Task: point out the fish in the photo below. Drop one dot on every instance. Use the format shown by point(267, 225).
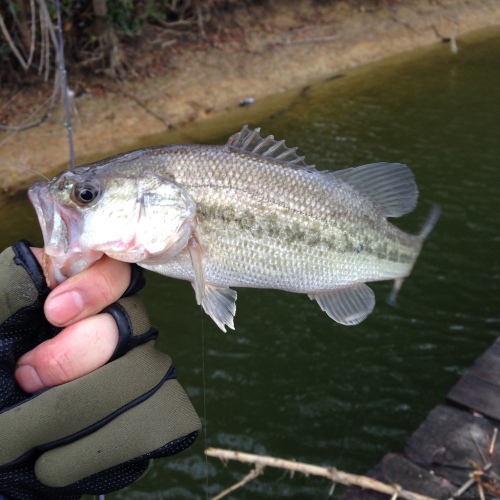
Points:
point(250, 213)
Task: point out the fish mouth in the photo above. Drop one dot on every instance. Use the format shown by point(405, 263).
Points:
point(60, 230)
point(43, 202)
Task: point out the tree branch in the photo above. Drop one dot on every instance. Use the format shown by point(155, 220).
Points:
point(12, 45)
point(251, 475)
point(331, 473)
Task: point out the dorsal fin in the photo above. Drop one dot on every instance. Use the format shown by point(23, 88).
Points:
point(250, 141)
point(391, 186)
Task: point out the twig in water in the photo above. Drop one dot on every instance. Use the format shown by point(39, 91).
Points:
point(452, 39)
point(468, 484)
point(491, 449)
point(481, 492)
point(479, 474)
point(478, 448)
point(331, 473)
point(251, 475)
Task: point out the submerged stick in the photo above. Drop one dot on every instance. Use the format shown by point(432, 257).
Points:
point(251, 475)
point(331, 473)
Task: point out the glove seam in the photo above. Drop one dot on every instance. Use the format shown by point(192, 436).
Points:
point(171, 374)
point(150, 455)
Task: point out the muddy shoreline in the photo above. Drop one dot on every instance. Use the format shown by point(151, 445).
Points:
point(287, 49)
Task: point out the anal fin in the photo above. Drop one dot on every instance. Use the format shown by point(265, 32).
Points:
point(347, 306)
point(220, 304)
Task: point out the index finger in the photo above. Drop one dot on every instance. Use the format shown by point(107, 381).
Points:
point(88, 292)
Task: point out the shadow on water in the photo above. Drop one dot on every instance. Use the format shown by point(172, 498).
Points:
point(289, 382)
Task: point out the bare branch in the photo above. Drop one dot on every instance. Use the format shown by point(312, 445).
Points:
point(251, 475)
point(12, 44)
point(48, 31)
point(50, 25)
point(331, 473)
point(25, 124)
point(33, 32)
point(491, 448)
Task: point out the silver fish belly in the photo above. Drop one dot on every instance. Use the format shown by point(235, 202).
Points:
point(254, 214)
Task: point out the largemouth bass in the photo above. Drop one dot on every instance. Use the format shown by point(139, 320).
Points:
point(250, 213)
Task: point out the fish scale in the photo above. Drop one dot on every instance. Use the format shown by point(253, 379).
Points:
point(286, 205)
point(251, 213)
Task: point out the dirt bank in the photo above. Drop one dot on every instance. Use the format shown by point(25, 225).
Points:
point(287, 46)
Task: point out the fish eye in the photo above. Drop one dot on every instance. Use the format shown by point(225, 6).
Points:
point(85, 193)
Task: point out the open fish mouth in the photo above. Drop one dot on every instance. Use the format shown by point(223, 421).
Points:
point(48, 218)
point(59, 227)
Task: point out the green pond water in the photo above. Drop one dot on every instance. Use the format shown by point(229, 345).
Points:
point(290, 382)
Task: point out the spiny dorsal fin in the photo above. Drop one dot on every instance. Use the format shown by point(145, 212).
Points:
point(391, 186)
point(250, 141)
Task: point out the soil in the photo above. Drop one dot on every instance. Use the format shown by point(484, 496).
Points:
point(261, 50)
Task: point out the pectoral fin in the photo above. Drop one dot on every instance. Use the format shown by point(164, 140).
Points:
point(219, 304)
point(347, 306)
point(196, 255)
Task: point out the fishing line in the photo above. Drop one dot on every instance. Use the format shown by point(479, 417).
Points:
point(19, 165)
point(204, 385)
point(64, 83)
point(62, 70)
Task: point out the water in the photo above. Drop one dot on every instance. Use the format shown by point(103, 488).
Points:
point(291, 383)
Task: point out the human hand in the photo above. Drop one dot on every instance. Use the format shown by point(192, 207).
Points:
point(98, 433)
point(88, 338)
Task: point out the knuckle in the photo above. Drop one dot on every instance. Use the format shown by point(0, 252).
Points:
point(56, 366)
point(106, 289)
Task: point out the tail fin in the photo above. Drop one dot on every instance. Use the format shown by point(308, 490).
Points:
point(428, 226)
point(431, 221)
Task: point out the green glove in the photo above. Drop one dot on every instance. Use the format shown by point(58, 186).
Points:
point(98, 433)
